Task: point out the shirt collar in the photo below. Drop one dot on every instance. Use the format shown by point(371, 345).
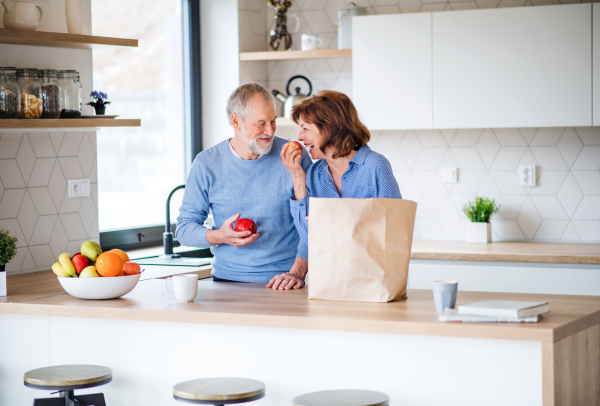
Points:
point(361, 155)
point(358, 158)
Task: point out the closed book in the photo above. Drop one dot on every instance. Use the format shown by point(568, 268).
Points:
point(504, 308)
point(452, 316)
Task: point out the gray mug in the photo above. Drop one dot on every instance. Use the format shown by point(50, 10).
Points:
point(444, 295)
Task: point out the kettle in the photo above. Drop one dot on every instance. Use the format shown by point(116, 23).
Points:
point(292, 99)
point(22, 15)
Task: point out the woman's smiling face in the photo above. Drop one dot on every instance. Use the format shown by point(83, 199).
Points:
point(311, 138)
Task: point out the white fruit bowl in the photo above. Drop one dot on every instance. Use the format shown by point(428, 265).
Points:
point(99, 288)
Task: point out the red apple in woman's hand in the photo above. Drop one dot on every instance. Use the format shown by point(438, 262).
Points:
point(245, 225)
point(296, 143)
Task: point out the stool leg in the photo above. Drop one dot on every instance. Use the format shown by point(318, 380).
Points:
point(68, 398)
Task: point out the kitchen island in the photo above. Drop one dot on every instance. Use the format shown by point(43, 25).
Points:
point(297, 345)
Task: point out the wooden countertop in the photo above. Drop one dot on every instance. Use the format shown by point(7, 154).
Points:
point(553, 253)
point(253, 305)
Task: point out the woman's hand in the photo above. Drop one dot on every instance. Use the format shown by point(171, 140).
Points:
point(291, 155)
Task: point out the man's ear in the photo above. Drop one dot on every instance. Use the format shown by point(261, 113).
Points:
point(235, 120)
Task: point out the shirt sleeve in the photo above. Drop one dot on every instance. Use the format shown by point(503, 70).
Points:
point(194, 210)
point(387, 186)
point(299, 208)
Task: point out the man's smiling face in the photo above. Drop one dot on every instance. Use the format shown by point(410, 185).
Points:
point(258, 128)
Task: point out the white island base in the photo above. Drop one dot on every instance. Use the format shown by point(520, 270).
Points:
point(148, 358)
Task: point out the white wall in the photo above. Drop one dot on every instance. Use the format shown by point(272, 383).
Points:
point(220, 66)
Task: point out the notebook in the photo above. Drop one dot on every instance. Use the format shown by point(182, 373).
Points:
point(504, 308)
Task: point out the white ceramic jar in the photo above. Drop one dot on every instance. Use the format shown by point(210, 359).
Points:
point(22, 15)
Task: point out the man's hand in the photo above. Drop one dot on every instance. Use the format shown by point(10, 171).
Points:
point(294, 279)
point(226, 235)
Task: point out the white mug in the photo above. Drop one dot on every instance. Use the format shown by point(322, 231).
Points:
point(311, 42)
point(185, 286)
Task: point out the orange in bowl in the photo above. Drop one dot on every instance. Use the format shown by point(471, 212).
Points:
point(122, 254)
point(109, 264)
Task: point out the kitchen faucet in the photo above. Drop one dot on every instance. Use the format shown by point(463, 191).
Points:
point(168, 235)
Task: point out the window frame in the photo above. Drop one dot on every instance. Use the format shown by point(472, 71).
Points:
point(151, 236)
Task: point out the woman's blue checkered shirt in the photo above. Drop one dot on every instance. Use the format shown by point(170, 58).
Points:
point(369, 175)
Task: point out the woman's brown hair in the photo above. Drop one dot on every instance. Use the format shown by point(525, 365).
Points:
point(335, 116)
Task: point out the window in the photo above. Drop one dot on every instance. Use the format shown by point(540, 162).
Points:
point(139, 166)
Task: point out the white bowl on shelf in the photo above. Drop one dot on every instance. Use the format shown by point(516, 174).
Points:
point(99, 288)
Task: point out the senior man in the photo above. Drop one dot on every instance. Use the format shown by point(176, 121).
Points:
point(244, 176)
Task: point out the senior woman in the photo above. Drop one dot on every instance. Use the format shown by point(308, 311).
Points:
point(346, 168)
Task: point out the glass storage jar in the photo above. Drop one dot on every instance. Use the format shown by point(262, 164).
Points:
point(70, 94)
point(10, 106)
point(78, 80)
point(31, 98)
point(50, 93)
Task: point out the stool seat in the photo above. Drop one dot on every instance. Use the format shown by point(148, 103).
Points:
point(67, 377)
point(349, 397)
point(219, 390)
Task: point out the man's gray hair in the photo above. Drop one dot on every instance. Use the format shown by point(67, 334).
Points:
point(239, 101)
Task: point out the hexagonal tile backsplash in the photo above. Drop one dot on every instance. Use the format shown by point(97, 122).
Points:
point(34, 206)
point(565, 204)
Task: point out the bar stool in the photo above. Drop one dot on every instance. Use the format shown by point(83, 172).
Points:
point(219, 391)
point(346, 397)
point(67, 378)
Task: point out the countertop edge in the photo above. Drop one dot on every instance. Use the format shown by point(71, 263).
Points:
point(502, 257)
point(520, 332)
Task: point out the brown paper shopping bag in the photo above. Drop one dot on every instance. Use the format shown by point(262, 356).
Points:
point(359, 249)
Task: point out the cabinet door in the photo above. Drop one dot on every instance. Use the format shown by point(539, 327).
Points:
point(391, 70)
point(515, 67)
point(596, 64)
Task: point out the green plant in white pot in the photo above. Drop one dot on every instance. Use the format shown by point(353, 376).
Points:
point(8, 250)
point(479, 212)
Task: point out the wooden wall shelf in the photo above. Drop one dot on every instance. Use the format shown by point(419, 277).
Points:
point(282, 56)
point(68, 123)
point(61, 40)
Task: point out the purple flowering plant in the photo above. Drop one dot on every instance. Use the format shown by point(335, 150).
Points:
point(99, 99)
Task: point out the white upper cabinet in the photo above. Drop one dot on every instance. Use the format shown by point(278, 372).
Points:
point(391, 69)
point(596, 63)
point(514, 67)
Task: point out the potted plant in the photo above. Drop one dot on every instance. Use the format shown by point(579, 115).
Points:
point(479, 212)
point(8, 250)
point(99, 102)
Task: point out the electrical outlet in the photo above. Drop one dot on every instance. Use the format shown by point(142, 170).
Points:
point(526, 175)
point(79, 188)
point(449, 175)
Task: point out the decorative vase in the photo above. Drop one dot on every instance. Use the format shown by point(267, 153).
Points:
point(100, 110)
point(480, 233)
point(74, 13)
point(279, 34)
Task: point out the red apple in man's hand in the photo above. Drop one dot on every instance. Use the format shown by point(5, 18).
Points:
point(245, 225)
point(296, 143)
point(80, 262)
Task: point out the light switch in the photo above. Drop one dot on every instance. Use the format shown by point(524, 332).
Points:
point(449, 175)
point(79, 188)
point(526, 175)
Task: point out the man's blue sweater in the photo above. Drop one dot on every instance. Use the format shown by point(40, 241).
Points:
point(260, 190)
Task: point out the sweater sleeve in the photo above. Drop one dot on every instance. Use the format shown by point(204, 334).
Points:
point(194, 210)
point(387, 186)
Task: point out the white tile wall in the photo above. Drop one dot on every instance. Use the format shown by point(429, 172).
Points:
point(564, 205)
point(34, 207)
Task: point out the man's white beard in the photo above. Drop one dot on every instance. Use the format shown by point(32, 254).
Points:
point(253, 144)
